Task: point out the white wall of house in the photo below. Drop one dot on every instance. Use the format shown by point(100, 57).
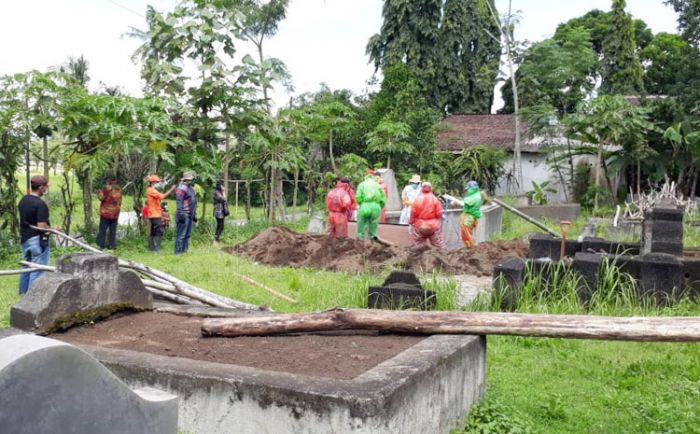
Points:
point(535, 168)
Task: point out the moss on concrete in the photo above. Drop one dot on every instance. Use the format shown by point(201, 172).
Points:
point(87, 316)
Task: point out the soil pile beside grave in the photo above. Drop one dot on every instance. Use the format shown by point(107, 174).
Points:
point(343, 357)
point(283, 247)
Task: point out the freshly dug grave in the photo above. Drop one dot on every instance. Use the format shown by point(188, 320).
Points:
point(342, 357)
point(283, 247)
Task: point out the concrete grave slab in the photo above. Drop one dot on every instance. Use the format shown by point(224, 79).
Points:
point(426, 388)
point(86, 286)
point(49, 386)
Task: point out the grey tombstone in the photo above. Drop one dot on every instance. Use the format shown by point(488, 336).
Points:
point(662, 231)
point(661, 275)
point(86, 286)
point(50, 386)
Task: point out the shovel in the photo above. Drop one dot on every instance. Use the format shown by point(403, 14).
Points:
point(564, 225)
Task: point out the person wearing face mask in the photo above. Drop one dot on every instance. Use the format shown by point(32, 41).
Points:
point(426, 219)
point(185, 214)
point(33, 211)
point(153, 211)
point(339, 204)
point(471, 213)
point(220, 210)
point(408, 196)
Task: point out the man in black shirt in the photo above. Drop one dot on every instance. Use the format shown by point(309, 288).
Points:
point(35, 243)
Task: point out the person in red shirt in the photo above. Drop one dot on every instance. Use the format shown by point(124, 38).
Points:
point(339, 203)
point(154, 212)
point(110, 206)
point(426, 219)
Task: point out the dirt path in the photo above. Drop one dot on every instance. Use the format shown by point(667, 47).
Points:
point(283, 247)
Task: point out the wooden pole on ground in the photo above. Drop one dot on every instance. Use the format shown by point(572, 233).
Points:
point(277, 294)
point(20, 271)
point(179, 286)
point(671, 329)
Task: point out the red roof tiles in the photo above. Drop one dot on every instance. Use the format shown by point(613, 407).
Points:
point(457, 132)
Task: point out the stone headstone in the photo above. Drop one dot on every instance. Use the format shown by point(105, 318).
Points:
point(508, 278)
point(49, 386)
point(393, 201)
point(316, 225)
point(661, 275)
point(400, 290)
point(662, 231)
point(86, 286)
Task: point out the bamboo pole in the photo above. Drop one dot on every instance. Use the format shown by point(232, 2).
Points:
point(180, 286)
point(670, 329)
point(511, 209)
point(179, 299)
point(277, 294)
point(20, 271)
point(38, 267)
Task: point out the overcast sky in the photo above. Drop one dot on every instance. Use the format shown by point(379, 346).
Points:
point(321, 41)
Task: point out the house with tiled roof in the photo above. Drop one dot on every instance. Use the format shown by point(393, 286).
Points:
point(458, 132)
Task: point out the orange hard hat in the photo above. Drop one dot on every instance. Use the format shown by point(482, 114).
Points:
point(153, 178)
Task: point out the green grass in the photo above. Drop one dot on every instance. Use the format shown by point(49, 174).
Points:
point(534, 385)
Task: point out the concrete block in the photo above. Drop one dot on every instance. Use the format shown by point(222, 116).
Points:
point(661, 275)
point(547, 246)
point(691, 274)
point(541, 246)
point(587, 265)
point(401, 290)
point(88, 286)
point(49, 387)
point(599, 245)
point(667, 214)
point(405, 277)
point(427, 388)
point(508, 278)
point(662, 231)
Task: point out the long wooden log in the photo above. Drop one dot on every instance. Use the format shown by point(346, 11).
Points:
point(672, 329)
point(180, 286)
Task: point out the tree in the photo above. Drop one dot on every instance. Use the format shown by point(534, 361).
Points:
point(400, 100)
point(506, 27)
point(409, 35)
point(469, 57)
point(610, 122)
point(622, 72)
point(688, 19)
point(663, 60)
point(598, 24)
point(390, 138)
point(12, 142)
point(559, 72)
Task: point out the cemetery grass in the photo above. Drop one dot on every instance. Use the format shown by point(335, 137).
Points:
point(537, 385)
point(534, 385)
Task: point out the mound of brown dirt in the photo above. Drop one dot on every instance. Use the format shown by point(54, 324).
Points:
point(283, 247)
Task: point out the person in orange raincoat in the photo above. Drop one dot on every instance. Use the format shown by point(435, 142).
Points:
point(380, 181)
point(426, 219)
point(339, 203)
point(154, 212)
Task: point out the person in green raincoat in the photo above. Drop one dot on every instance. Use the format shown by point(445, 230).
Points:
point(371, 199)
point(471, 214)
